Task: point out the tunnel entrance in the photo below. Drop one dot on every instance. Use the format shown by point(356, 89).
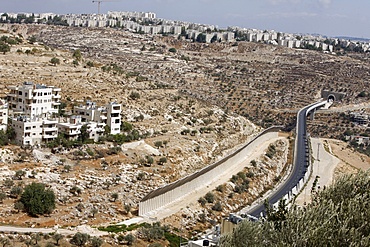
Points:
point(331, 98)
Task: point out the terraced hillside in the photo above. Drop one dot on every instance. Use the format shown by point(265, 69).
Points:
point(262, 82)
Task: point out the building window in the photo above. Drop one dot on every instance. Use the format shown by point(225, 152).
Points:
point(20, 92)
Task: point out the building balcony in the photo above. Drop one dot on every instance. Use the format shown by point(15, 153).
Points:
point(50, 121)
point(74, 133)
point(12, 95)
point(58, 96)
point(99, 130)
point(50, 136)
point(50, 129)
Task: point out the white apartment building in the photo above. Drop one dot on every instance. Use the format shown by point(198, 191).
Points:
point(109, 115)
point(290, 43)
point(33, 100)
point(155, 29)
point(29, 133)
point(167, 29)
point(148, 15)
point(177, 29)
point(3, 115)
point(72, 129)
point(145, 29)
point(114, 117)
point(32, 106)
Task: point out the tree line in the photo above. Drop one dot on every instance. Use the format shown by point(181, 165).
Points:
point(337, 216)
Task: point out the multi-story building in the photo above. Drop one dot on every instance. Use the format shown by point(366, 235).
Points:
point(109, 115)
point(3, 115)
point(32, 107)
point(30, 132)
point(72, 129)
point(114, 117)
point(34, 100)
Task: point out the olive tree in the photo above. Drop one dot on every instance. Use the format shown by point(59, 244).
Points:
point(38, 200)
point(337, 216)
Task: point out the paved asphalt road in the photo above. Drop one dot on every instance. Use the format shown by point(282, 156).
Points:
point(299, 168)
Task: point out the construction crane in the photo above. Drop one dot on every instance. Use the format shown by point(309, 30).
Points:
point(99, 2)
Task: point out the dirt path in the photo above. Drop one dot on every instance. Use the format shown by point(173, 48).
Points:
point(82, 229)
point(323, 168)
point(333, 158)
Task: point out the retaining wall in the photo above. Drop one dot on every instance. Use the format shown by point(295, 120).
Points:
point(176, 190)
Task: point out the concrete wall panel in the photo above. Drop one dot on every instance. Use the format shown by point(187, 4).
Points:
point(175, 191)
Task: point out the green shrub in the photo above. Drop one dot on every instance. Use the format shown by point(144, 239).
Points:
point(173, 50)
point(210, 197)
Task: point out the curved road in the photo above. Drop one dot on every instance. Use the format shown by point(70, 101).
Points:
point(301, 161)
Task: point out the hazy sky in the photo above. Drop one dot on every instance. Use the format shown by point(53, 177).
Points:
point(327, 17)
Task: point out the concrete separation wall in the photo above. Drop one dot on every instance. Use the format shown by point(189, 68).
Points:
point(180, 188)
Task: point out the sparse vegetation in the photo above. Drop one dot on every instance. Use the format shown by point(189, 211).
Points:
point(210, 197)
point(134, 95)
point(55, 61)
point(167, 100)
point(80, 239)
point(173, 50)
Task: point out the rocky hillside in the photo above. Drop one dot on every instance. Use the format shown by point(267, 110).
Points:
point(188, 104)
point(175, 134)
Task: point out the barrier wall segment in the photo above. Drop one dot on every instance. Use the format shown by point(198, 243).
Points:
point(180, 188)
